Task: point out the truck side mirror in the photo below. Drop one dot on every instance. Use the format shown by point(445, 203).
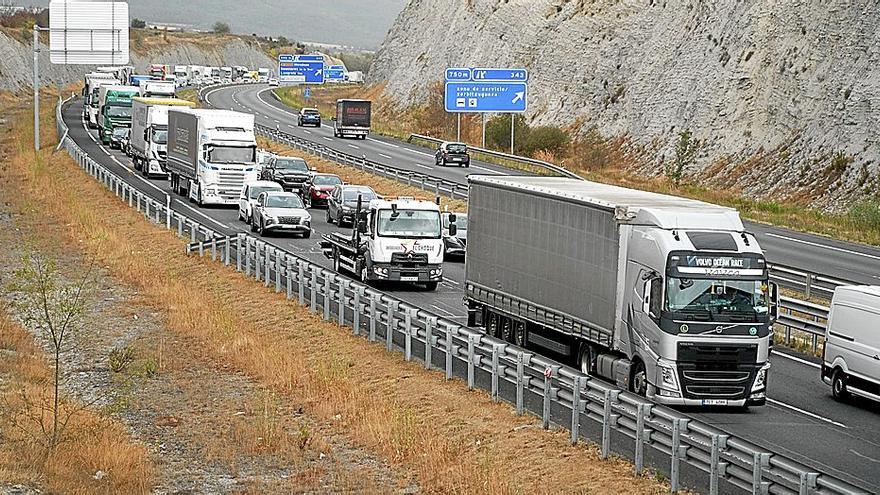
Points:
point(653, 293)
point(362, 226)
point(646, 297)
point(774, 300)
point(452, 218)
point(452, 230)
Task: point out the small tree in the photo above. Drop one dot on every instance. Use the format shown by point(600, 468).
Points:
point(685, 154)
point(57, 309)
point(498, 133)
point(548, 139)
point(221, 28)
point(138, 23)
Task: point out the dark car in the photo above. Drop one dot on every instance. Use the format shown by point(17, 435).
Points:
point(455, 245)
point(290, 172)
point(342, 203)
point(452, 154)
point(309, 116)
point(317, 190)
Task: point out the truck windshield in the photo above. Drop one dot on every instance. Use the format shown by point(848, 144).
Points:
point(717, 297)
point(160, 136)
point(232, 154)
point(118, 111)
point(409, 223)
point(294, 164)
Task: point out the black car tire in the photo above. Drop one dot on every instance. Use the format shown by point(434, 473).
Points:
point(838, 386)
point(307, 234)
point(431, 286)
point(253, 226)
point(329, 218)
point(339, 218)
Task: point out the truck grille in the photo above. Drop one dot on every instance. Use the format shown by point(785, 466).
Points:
point(711, 371)
point(409, 260)
point(289, 220)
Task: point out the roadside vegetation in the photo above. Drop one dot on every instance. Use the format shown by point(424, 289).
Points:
point(445, 438)
point(593, 157)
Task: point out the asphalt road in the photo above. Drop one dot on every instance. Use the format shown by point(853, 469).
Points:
point(801, 420)
point(808, 252)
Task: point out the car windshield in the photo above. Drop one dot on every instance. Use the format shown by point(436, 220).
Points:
point(326, 180)
point(460, 221)
point(160, 137)
point(717, 297)
point(118, 111)
point(456, 148)
point(409, 223)
point(295, 164)
point(352, 195)
point(231, 154)
point(284, 202)
point(256, 190)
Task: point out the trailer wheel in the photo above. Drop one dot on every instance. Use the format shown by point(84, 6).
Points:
point(336, 260)
point(586, 363)
point(431, 286)
point(492, 325)
point(506, 329)
point(639, 382)
point(520, 336)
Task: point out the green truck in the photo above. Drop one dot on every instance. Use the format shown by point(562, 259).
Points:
point(114, 109)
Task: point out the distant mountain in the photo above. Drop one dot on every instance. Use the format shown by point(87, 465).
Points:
point(359, 23)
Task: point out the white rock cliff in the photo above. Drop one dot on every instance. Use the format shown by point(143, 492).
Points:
point(783, 95)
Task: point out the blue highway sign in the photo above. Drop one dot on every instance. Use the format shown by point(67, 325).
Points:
point(299, 71)
point(285, 58)
point(310, 58)
point(307, 93)
point(501, 97)
point(335, 73)
point(500, 75)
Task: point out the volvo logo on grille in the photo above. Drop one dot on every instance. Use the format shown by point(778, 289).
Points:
point(719, 329)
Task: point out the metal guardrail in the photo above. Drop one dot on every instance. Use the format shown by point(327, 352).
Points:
point(553, 169)
point(691, 452)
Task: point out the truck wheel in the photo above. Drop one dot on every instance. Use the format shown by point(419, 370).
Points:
point(492, 325)
point(262, 228)
point(336, 261)
point(307, 234)
point(506, 329)
point(253, 225)
point(586, 363)
point(339, 218)
point(431, 286)
point(364, 277)
point(520, 336)
point(639, 382)
point(838, 386)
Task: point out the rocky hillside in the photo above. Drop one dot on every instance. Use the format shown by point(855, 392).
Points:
point(16, 58)
point(783, 97)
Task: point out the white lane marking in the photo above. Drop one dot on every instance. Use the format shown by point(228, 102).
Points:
point(104, 150)
point(419, 152)
point(486, 169)
point(305, 130)
point(797, 359)
point(438, 308)
point(197, 212)
point(449, 280)
point(383, 155)
point(328, 139)
point(145, 181)
point(816, 244)
point(383, 142)
point(863, 456)
point(806, 413)
point(354, 146)
point(423, 166)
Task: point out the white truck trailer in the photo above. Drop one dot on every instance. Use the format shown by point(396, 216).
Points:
point(667, 297)
point(157, 89)
point(149, 133)
point(211, 154)
point(91, 84)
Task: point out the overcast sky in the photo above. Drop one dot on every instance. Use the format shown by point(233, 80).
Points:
point(361, 23)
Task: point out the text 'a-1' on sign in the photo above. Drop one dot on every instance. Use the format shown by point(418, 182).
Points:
point(88, 32)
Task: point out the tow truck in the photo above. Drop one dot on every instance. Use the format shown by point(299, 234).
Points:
point(393, 239)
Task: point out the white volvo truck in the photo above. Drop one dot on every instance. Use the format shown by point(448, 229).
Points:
point(668, 297)
point(211, 154)
point(149, 133)
point(396, 240)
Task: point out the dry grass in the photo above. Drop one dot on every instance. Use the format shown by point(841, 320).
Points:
point(92, 442)
point(383, 186)
point(452, 440)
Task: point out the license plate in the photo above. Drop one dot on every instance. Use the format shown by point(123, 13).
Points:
point(714, 402)
point(409, 279)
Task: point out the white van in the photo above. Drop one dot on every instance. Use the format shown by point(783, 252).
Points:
point(851, 361)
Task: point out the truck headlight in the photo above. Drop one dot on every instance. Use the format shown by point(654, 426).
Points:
point(271, 220)
point(761, 378)
point(667, 376)
point(436, 272)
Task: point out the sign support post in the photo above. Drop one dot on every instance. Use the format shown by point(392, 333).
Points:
point(512, 118)
point(483, 140)
point(36, 88)
point(458, 127)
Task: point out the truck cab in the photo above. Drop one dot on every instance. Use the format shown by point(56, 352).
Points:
point(395, 240)
point(114, 109)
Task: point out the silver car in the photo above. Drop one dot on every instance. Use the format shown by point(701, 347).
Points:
point(247, 199)
point(279, 211)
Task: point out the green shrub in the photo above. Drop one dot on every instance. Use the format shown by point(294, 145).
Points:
point(545, 138)
point(865, 214)
point(120, 358)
